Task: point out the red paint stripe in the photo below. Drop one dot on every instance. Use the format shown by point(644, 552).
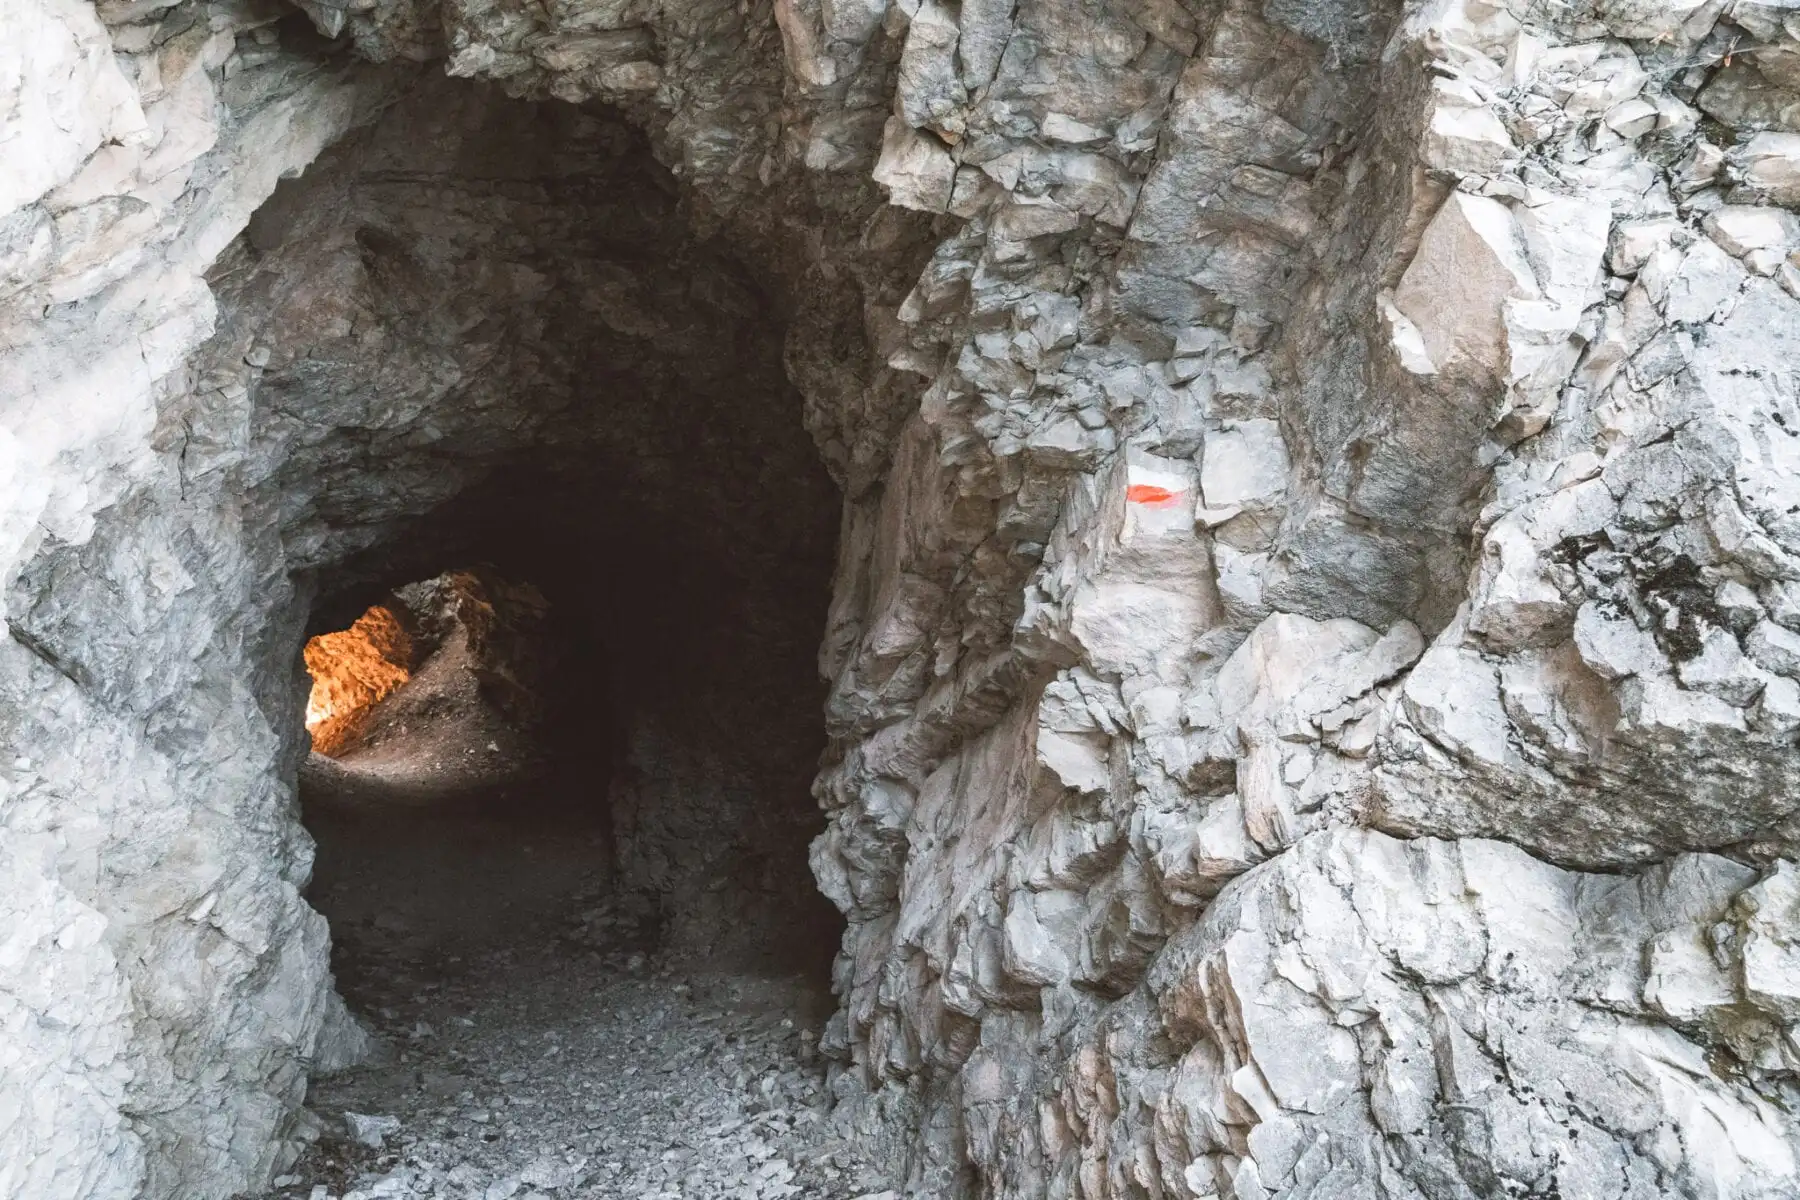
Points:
point(1149, 493)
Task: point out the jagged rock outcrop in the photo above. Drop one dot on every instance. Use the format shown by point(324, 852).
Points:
point(1314, 659)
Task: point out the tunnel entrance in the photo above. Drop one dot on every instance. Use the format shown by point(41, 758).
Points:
point(564, 545)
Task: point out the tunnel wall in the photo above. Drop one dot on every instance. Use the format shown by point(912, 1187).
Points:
point(1312, 704)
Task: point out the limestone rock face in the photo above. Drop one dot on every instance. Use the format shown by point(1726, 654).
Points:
point(1313, 661)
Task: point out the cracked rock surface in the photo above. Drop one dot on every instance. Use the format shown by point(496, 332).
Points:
point(1311, 674)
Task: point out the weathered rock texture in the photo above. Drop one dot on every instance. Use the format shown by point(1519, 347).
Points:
point(1315, 650)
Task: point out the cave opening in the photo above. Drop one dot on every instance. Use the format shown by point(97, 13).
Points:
point(563, 547)
point(489, 340)
point(539, 689)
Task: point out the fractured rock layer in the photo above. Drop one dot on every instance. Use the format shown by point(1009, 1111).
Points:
point(1314, 659)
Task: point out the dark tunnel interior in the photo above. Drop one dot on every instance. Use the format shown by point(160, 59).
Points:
point(492, 342)
point(666, 765)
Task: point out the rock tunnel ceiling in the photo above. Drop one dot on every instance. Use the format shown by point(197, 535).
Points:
point(1312, 657)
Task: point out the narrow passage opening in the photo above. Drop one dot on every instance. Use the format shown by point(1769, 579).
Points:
point(569, 546)
point(444, 827)
point(547, 1017)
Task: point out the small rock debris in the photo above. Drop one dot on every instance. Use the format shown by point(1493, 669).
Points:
point(576, 1065)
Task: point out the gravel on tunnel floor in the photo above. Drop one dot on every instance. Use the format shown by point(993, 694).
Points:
point(575, 1065)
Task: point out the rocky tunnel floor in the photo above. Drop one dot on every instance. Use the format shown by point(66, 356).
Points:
point(533, 1043)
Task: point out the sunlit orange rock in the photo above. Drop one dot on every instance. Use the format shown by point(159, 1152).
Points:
point(352, 670)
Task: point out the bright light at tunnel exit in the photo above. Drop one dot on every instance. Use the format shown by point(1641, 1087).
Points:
point(352, 670)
